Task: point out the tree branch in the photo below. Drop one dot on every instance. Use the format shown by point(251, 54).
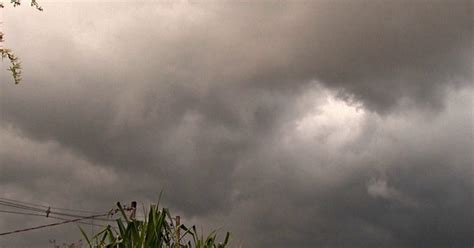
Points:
point(15, 67)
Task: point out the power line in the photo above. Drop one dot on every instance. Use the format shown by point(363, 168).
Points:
point(46, 211)
point(19, 205)
point(44, 206)
point(22, 202)
point(76, 210)
point(42, 215)
point(20, 213)
point(52, 224)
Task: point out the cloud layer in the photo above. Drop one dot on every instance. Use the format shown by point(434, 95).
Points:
point(293, 125)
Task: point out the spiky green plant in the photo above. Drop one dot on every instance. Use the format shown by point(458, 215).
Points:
point(157, 230)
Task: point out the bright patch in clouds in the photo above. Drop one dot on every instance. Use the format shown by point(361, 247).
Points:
point(332, 121)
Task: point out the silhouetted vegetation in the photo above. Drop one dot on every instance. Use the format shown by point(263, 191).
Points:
point(157, 230)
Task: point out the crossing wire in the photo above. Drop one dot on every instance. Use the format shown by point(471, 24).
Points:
point(44, 206)
point(42, 215)
point(35, 209)
point(52, 224)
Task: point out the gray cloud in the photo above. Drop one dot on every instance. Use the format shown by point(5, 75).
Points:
point(236, 111)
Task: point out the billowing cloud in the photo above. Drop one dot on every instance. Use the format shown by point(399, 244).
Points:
point(291, 124)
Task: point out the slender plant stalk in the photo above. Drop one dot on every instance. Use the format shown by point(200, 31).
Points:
point(15, 65)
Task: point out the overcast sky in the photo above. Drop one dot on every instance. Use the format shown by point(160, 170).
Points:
point(290, 124)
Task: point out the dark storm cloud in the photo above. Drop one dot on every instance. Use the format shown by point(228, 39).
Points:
point(205, 101)
point(402, 184)
point(376, 52)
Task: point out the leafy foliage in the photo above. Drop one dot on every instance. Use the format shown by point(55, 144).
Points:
point(157, 230)
point(16, 3)
point(15, 67)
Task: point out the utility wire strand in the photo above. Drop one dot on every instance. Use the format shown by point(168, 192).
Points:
point(21, 202)
point(52, 224)
point(21, 213)
point(14, 205)
point(44, 206)
point(34, 209)
point(50, 217)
